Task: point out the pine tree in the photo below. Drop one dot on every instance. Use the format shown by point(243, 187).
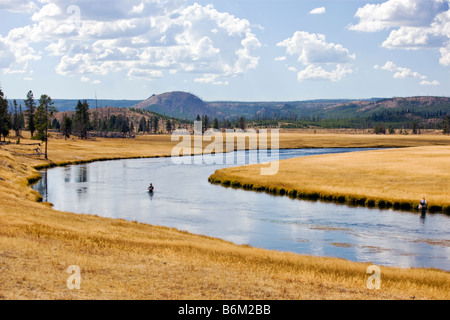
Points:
point(155, 124)
point(66, 126)
point(16, 119)
point(82, 118)
point(30, 110)
point(5, 117)
point(168, 126)
point(142, 125)
point(241, 123)
point(43, 113)
point(215, 123)
point(446, 129)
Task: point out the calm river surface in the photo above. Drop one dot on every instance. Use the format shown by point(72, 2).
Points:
point(184, 199)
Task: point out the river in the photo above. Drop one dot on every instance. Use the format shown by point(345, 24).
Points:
point(184, 199)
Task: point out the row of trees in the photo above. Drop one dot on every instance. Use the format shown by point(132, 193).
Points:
point(84, 121)
point(37, 117)
point(240, 123)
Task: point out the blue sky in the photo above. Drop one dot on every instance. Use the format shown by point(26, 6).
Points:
point(247, 50)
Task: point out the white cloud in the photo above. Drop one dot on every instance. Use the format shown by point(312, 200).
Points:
point(140, 38)
point(429, 83)
point(23, 6)
point(445, 55)
point(400, 72)
point(314, 72)
point(313, 48)
point(320, 10)
point(15, 56)
point(398, 13)
point(313, 51)
point(282, 58)
point(416, 24)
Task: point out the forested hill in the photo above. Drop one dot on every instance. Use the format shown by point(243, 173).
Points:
point(183, 105)
point(188, 106)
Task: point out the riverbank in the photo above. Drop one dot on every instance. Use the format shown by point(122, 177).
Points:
point(127, 260)
point(392, 178)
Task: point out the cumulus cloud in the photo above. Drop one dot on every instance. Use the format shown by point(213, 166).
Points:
point(313, 51)
point(141, 38)
point(319, 10)
point(400, 72)
point(398, 13)
point(405, 73)
point(416, 24)
point(429, 83)
point(23, 6)
point(314, 72)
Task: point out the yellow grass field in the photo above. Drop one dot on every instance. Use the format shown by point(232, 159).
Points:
point(128, 260)
point(397, 178)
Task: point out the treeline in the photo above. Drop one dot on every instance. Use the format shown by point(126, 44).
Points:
point(390, 125)
point(35, 117)
point(117, 124)
point(239, 123)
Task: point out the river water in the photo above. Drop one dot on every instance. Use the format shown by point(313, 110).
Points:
point(184, 199)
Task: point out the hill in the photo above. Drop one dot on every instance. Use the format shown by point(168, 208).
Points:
point(394, 110)
point(177, 104)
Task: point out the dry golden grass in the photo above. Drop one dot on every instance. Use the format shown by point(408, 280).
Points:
point(127, 260)
point(396, 178)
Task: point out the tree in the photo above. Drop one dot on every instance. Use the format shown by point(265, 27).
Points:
point(379, 129)
point(215, 124)
point(414, 127)
point(16, 123)
point(30, 110)
point(82, 118)
point(168, 126)
point(155, 124)
point(125, 128)
point(446, 129)
point(241, 123)
point(66, 126)
point(205, 123)
point(44, 111)
point(142, 125)
point(5, 117)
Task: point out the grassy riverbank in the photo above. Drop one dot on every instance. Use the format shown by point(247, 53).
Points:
point(396, 178)
point(127, 260)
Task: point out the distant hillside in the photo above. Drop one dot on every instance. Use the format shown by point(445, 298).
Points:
point(70, 104)
point(177, 104)
point(184, 105)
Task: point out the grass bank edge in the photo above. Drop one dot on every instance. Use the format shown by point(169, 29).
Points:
point(347, 199)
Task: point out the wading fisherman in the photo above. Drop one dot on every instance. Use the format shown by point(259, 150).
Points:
point(150, 188)
point(423, 205)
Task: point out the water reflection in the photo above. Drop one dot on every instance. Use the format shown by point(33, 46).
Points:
point(186, 201)
point(82, 174)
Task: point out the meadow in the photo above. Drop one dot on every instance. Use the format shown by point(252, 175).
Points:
point(122, 259)
point(390, 178)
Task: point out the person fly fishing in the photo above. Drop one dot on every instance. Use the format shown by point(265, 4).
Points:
point(423, 205)
point(151, 188)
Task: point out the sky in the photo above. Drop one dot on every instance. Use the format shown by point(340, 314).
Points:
point(246, 50)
